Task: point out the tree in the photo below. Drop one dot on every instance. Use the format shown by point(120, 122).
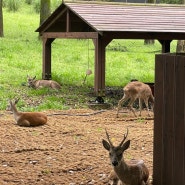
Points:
point(150, 41)
point(1, 19)
point(181, 43)
point(45, 10)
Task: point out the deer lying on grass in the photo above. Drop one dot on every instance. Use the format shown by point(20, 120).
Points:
point(133, 173)
point(136, 90)
point(32, 82)
point(26, 119)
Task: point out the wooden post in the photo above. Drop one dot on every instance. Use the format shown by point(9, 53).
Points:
point(46, 61)
point(169, 120)
point(165, 45)
point(99, 82)
point(100, 52)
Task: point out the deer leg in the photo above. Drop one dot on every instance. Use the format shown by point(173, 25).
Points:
point(24, 123)
point(140, 106)
point(146, 103)
point(124, 99)
point(130, 105)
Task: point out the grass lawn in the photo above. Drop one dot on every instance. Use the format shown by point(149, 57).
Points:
point(21, 55)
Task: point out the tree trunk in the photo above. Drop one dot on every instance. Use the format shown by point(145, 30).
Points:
point(150, 41)
point(44, 10)
point(1, 19)
point(180, 46)
point(181, 43)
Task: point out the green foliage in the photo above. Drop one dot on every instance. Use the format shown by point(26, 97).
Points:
point(13, 5)
point(55, 4)
point(29, 1)
point(172, 1)
point(36, 6)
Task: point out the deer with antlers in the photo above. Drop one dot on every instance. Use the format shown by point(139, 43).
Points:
point(132, 173)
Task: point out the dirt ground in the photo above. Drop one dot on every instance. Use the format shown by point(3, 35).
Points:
point(68, 149)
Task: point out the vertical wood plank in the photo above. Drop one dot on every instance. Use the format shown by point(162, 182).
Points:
point(179, 150)
point(158, 120)
point(168, 124)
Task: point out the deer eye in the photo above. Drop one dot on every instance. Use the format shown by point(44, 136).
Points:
point(119, 154)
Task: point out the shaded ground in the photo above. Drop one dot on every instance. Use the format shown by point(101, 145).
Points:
point(68, 150)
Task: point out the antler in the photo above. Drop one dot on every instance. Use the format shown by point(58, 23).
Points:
point(125, 136)
point(108, 137)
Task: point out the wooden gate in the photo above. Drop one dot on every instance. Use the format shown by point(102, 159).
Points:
point(169, 120)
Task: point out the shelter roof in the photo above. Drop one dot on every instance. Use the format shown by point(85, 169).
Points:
point(115, 17)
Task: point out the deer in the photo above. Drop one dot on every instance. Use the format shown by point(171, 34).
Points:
point(133, 172)
point(136, 90)
point(26, 119)
point(32, 82)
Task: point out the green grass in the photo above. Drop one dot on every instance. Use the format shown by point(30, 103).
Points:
point(21, 54)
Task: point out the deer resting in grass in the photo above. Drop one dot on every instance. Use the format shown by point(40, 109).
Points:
point(32, 82)
point(27, 119)
point(136, 90)
point(132, 173)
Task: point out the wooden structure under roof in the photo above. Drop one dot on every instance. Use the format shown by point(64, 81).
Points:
point(104, 22)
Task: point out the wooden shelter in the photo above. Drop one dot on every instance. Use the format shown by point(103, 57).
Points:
point(104, 22)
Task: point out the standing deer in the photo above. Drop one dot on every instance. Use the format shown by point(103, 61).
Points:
point(32, 82)
point(26, 119)
point(132, 173)
point(136, 90)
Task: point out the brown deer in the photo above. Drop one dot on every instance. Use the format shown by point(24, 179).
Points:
point(26, 119)
point(32, 82)
point(132, 173)
point(136, 90)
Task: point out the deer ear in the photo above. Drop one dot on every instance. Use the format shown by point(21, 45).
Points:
point(106, 145)
point(16, 101)
point(34, 77)
point(126, 145)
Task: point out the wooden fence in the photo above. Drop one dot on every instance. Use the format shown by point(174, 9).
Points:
point(169, 120)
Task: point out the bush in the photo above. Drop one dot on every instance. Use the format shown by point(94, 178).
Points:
point(36, 6)
point(28, 1)
point(13, 5)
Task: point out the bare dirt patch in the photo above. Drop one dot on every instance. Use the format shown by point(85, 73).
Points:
point(68, 150)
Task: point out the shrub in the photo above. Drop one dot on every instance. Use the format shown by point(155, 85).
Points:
point(13, 5)
point(36, 6)
point(29, 1)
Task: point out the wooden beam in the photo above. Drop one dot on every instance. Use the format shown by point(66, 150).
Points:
point(53, 20)
point(46, 61)
point(165, 45)
point(144, 35)
point(71, 35)
point(68, 22)
point(99, 81)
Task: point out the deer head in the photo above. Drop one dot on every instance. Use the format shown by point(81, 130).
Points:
point(12, 104)
point(116, 152)
point(31, 81)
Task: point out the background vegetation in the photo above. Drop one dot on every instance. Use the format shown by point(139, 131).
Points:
point(21, 55)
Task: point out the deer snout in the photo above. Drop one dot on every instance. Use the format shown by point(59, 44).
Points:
point(115, 163)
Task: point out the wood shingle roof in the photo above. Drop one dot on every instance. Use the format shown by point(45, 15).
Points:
point(121, 17)
point(117, 17)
